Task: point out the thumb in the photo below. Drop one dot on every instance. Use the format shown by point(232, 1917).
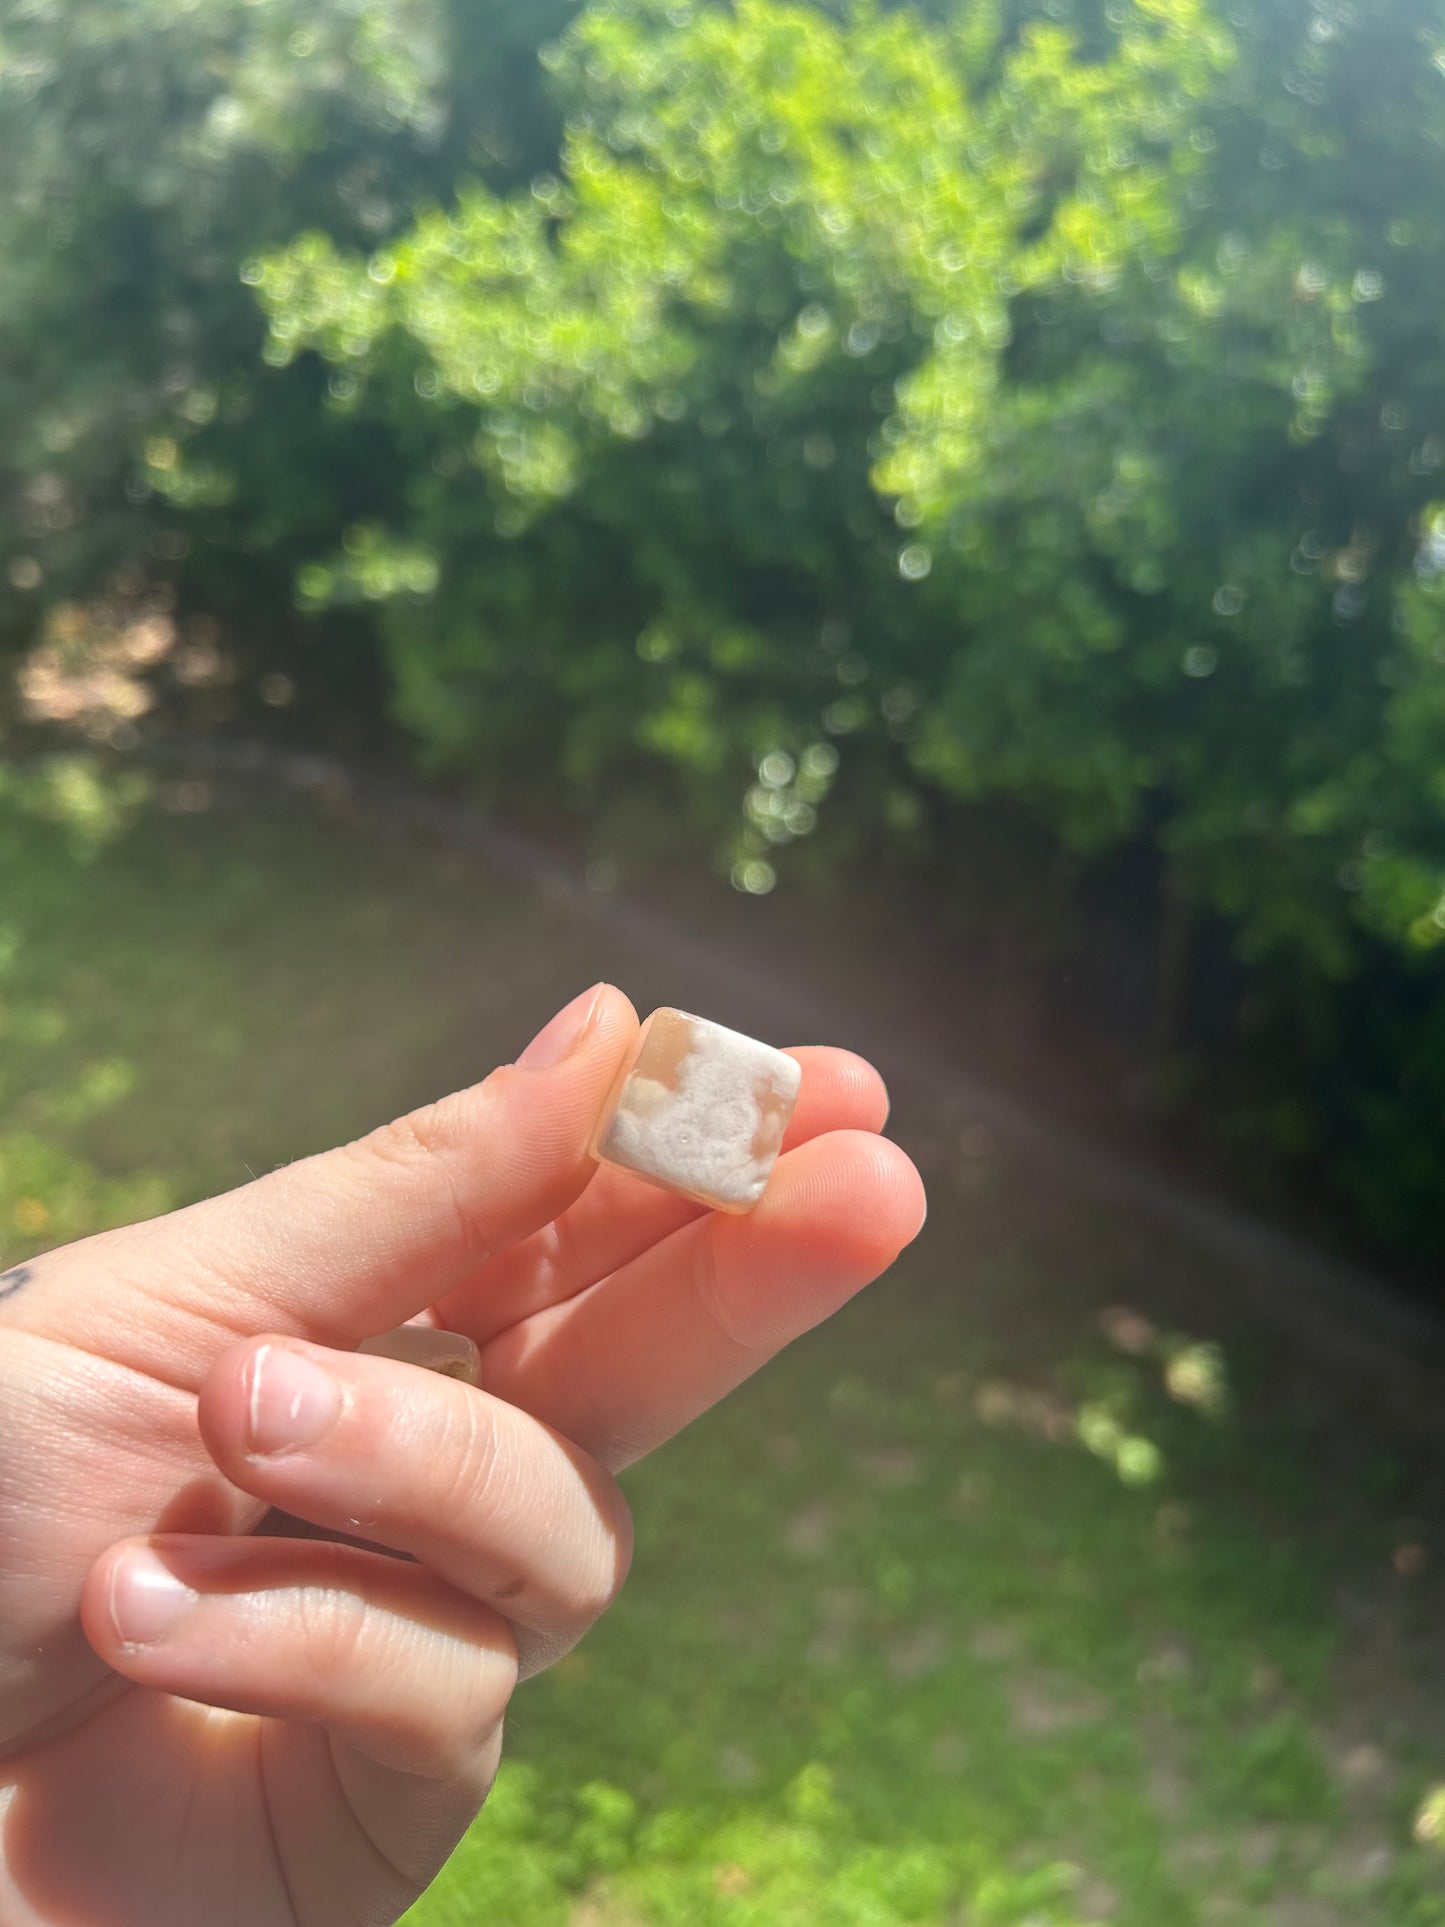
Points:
point(338, 1247)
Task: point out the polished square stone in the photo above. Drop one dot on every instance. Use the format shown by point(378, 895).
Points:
point(700, 1109)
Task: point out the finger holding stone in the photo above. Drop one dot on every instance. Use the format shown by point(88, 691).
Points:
point(625, 1365)
point(344, 1244)
point(412, 1672)
point(487, 1497)
point(619, 1216)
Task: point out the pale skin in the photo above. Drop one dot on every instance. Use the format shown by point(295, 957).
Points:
point(306, 1739)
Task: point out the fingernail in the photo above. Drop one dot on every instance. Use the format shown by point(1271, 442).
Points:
point(146, 1598)
point(452, 1354)
point(555, 1039)
point(289, 1400)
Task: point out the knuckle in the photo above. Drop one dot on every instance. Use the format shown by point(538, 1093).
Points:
point(467, 1460)
point(332, 1626)
point(406, 1141)
point(601, 1585)
point(609, 1557)
point(503, 1667)
point(424, 1145)
point(461, 1729)
point(596, 1589)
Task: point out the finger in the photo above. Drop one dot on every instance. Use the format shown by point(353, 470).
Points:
point(840, 1091)
point(492, 1501)
point(619, 1216)
point(636, 1357)
point(407, 1669)
point(354, 1241)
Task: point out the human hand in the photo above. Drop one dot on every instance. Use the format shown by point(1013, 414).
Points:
point(311, 1735)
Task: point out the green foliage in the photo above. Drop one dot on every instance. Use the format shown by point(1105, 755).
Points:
point(151, 151)
point(1023, 415)
point(693, 394)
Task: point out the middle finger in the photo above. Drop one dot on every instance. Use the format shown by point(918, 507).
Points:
point(492, 1500)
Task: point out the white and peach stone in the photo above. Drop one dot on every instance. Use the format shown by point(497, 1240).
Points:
point(699, 1109)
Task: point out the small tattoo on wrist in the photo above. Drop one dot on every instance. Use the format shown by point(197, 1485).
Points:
point(11, 1281)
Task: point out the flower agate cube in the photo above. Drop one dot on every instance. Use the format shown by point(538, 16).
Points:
point(699, 1109)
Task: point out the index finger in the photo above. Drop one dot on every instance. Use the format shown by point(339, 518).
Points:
point(351, 1242)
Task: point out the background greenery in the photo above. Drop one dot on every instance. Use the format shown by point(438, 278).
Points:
point(970, 464)
point(994, 438)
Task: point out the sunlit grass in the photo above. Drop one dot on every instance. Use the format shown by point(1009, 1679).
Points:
point(991, 1603)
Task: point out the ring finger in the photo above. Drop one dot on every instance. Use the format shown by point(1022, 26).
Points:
point(402, 1666)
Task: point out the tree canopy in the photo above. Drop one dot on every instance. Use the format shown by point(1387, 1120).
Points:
point(863, 413)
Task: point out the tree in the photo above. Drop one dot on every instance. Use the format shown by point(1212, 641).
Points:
point(1028, 416)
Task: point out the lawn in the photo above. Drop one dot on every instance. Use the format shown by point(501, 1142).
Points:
point(1035, 1589)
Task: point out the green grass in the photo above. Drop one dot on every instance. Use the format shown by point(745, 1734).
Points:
point(970, 1609)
